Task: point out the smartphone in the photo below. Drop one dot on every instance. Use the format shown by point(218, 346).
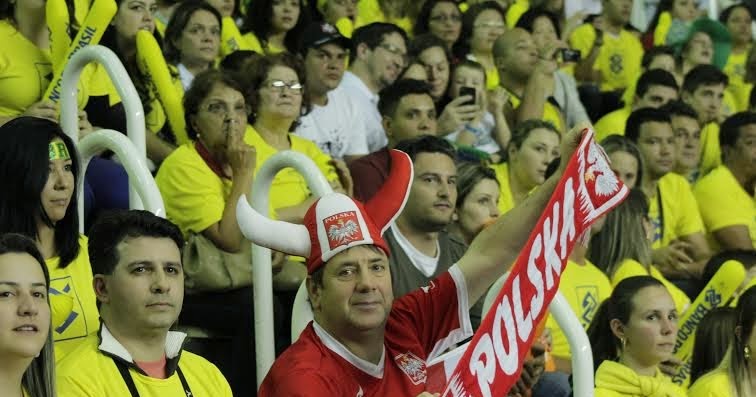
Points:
point(468, 91)
point(569, 55)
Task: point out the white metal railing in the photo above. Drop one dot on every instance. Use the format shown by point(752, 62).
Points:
point(131, 151)
point(261, 260)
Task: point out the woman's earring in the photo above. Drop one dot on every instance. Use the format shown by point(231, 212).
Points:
point(623, 341)
point(747, 352)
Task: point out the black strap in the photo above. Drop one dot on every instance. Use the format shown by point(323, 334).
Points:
point(661, 213)
point(124, 370)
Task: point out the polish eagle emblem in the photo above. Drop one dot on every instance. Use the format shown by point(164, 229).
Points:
point(343, 232)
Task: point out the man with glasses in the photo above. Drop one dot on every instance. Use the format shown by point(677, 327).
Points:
point(333, 122)
point(377, 58)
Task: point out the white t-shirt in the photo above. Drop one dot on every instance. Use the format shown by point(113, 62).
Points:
point(366, 104)
point(336, 128)
point(425, 264)
point(483, 132)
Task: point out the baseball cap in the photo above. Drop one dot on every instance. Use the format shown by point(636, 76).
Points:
point(318, 33)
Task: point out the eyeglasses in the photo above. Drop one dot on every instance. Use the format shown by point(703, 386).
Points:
point(222, 109)
point(490, 25)
point(279, 85)
point(394, 50)
point(446, 18)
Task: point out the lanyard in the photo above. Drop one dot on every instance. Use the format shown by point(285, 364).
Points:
point(661, 212)
point(124, 370)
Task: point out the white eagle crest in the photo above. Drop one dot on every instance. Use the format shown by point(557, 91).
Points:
point(606, 181)
point(342, 232)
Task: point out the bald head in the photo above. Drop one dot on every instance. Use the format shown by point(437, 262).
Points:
point(515, 55)
point(508, 40)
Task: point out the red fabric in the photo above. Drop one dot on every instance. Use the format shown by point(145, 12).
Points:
point(417, 321)
point(210, 160)
point(153, 369)
point(493, 360)
point(369, 172)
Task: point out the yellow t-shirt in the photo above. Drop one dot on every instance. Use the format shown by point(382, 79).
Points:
point(619, 59)
point(612, 124)
point(73, 301)
point(289, 187)
point(630, 268)
point(251, 42)
point(194, 196)
point(584, 287)
point(711, 153)
point(506, 200)
point(714, 384)
point(25, 71)
point(680, 210)
point(232, 39)
point(87, 372)
point(370, 11)
point(737, 87)
point(723, 202)
point(616, 380)
point(515, 11)
point(550, 112)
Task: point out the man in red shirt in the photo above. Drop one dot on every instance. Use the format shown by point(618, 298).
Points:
point(362, 342)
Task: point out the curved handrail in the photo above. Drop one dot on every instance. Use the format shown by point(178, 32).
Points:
point(261, 261)
point(69, 113)
point(140, 178)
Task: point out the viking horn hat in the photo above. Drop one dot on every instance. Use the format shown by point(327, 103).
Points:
point(335, 221)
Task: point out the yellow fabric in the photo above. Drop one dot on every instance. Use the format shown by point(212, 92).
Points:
point(714, 384)
point(506, 200)
point(662, 28)
point(194, 196)
point(89, 372)
point(232, 40)
point(72, 300)
point(25, 71)
point(81, 10)
point(630, 268)
point(584, 287)
point(550, 112)
point(615, 379)
point(711, 153)
point(515, 11)
point(612, 123)
point(370, 11)
point(289, 187)
point(160, 27)
point(619, 59)
point(251, 41)
point(492, 78)
point(681, 216)
point(723, 202)
point(737, 87)
point(729, 104)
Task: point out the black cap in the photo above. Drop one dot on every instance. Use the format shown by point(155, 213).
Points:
point(319, 33)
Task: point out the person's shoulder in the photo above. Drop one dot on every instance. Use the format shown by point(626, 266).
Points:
point(454, 242)
point(304, 359)
point(674, 182)
point(184, 154)
point(713, 384)
point(304, 145)
point(371, 160)
point(85, 356)
point(715, 177)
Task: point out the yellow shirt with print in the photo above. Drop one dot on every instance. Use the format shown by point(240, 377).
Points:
point(506, 200)
point(25, 71)
point(584, 287)
point(194, 196)
point(629, 268)
point(723, 203)
point(619, 59)
point(714, 384)
point(680, 210)
point(711, 153)
point(370, 11)
point(551, 112)
point(289, 187)
point(72, 300)
point(612, 123)
point(737, 86)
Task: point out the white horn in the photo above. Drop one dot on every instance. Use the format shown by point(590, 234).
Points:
point(281, 236)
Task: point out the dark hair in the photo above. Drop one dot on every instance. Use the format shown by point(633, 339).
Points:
point(725, 15)
point(462, 46)
point(24, 170)
point(177, 24)
point(640, 117)
point(470, 64)
point(752, 98)
point(739, 365)
point(257, 73)
point(201, 86)
point(620, 143)
point(116, 226)
point(39, 377)
point(372, 35)
point(522, 131)
point(680, 109)
point(713, 337)
point(527, 20)
point(259, 21)
point(703, 75)
point(425, 41)
point(468, 176)
point(655, 77)
point(654, 52)
point(619, 305)
point(390, 96)
point(237, 60)
point(426, 144)
point(422, 22)
point(729, 130)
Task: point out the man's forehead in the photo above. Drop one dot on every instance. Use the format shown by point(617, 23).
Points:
point(145, 248)
point(356, 254)
point(331, 48)
point(656, 129)
point(416, 101)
